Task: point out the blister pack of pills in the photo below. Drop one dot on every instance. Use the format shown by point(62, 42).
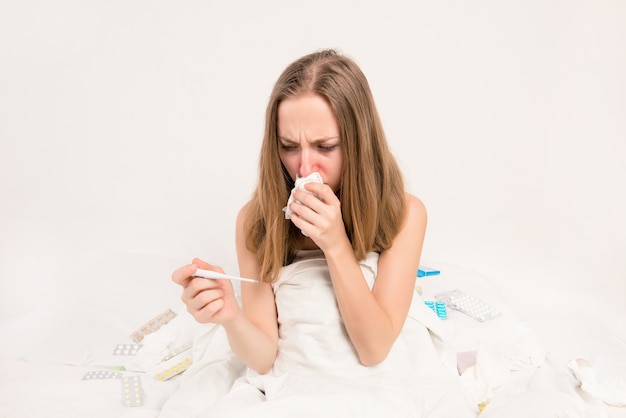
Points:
point(153, 325)
point(132, 391)
point(468, 304)
point(102, 374)
point(438, 307)
point(174, 370)
point(126, 349)
point(176, 351)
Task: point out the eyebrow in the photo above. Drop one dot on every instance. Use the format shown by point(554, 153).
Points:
point(315, 141)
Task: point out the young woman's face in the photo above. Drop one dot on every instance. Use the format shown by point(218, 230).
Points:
point(308, 139)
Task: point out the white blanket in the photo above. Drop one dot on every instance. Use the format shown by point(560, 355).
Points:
point(317, 372)
point(49, 350)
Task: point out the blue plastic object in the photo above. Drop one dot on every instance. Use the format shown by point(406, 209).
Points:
point(423, 271)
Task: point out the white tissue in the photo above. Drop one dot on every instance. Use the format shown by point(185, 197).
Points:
point(300, 182)
point(608, 385)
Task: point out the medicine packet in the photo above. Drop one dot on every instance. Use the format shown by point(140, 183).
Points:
point(468, 304)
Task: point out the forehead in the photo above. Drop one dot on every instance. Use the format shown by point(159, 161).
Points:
point(306, 115)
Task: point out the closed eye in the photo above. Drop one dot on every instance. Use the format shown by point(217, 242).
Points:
point(288, 147)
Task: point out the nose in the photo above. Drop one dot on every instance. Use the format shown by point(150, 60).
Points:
point(307, 163)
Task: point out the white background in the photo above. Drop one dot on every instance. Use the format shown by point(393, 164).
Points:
point(135, 126)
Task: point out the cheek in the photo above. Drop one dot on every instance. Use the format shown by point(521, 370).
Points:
point(334, 170)
point(290, 164)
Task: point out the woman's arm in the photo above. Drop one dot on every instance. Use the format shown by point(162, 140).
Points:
point(252, 330)
point(253, 334)
point(373, 319)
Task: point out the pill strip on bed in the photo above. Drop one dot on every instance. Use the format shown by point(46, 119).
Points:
point(153, 325)
point(438, 307)
point(174, 370)
point(468, 304)
point(126, 349)
point(132, 391)
point(102, 374)
point(173, 353)
point(208, 274)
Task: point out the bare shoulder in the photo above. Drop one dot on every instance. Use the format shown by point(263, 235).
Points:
point(240, 234)
point(243, 213)
point(415, 211)
point(402, 258)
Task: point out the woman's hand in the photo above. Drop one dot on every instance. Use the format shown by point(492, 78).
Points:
point(318, 214)
point(207, 300)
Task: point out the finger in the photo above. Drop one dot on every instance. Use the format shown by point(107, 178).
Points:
point(327, 206)
point(304, 224)
point(205, 298)
point(206, 266)
point(303, 212)
point(308, 200)
point(197, 285)
point(182, 275)
point(210, 309)
point(322, 191)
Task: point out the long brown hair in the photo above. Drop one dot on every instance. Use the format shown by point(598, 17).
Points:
point(372, 188)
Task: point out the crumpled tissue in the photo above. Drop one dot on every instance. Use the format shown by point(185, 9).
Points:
point(300, 182)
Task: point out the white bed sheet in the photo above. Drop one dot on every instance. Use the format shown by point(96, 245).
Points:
point(522, 368)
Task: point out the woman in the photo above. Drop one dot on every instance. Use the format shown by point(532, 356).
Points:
point(358, 225)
